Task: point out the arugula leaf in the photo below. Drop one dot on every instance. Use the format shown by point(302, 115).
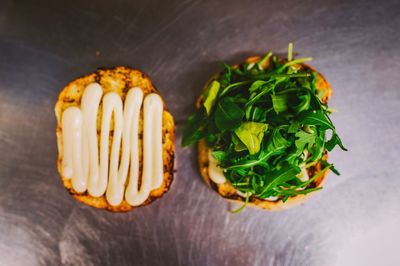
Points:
point(283, 175)
point(317, 151)
point(211, 96)
point(317, 175)
point(239, 145)
point(219, 155)
point(226, 76)
point(251, 134)
point(228, 114)
point(257, 84)
point(290, 52)
point(304, 100)
point(289, 193)
point(316, 118)
point(233, 86)
point(294, 127)
point(193, 129)
point(252, 162)
point(246, 201)
point(334, 170)
point(297, 61)
point(278, 141)
point(256, 97)
point(279, 102)
point(304, 140)
point(335, 140)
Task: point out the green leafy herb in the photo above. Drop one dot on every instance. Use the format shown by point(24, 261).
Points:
point(241, 208)
point(228, 114)
point(193, 130)
point(278, 140)
point(257, 85)
point(290, 52)
point(251, 135)
point(239, 145)
point(294, 127)
point(277, 177)
point(211, 96)
point(304, 139)
point(279, 102)
point(335, 140)
point(219, 155)
point(316, 118)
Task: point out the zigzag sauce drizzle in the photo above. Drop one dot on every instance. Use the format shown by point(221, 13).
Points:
point(109, 177)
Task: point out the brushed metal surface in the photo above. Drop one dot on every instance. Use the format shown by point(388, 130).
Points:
point(45, 44)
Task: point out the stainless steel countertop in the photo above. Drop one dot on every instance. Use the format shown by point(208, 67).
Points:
point(45, 44)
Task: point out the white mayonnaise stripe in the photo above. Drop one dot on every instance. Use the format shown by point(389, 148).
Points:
point(157, 160)
point(132, 187)
point(131, 117)
point(67, 135)
point(81, 151)
point(111, 104)
point(152, 167)
point(90, 104)
point(72, 157)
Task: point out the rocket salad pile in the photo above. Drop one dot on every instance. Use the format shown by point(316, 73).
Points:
point(266, 121)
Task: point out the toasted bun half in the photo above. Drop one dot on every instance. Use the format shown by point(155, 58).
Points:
point(119, 80)
point(228, 192)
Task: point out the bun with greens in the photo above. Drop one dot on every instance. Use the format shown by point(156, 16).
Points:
point(262, 131)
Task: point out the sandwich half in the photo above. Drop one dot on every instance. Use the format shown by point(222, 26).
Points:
point(262, 130)
point(115, 140)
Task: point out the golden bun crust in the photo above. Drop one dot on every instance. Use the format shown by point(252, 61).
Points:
point(120, 80)
point(228, 192)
